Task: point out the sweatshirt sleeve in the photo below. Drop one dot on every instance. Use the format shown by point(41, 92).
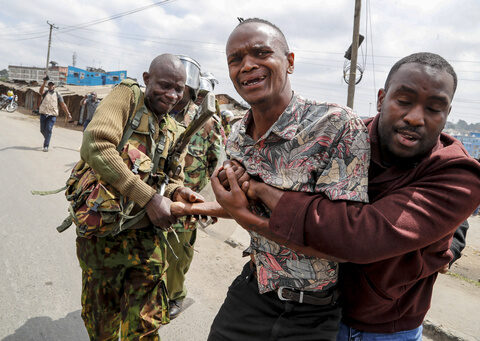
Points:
point(100, 140)
point(406, 219)
point(459, 241)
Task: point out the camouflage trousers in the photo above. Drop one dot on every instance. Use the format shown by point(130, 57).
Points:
point(177, 268)
point(123, 288)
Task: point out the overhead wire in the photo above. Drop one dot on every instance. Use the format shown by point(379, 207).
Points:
point(68, 28)
point(113, 17)
point(211, 46)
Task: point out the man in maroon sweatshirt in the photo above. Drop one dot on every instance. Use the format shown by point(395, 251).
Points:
point(422, 186)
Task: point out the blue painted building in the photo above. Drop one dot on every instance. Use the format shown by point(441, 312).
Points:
point(471, 143)
point(77, 76)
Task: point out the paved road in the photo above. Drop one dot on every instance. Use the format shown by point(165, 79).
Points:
point(40, 284)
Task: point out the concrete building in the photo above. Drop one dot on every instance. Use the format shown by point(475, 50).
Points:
point(90, 77)
point(32, 74)
point(471, 141)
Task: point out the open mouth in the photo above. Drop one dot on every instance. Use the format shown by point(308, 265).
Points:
point(410, 135)
point(253, 81)
point(408, 138)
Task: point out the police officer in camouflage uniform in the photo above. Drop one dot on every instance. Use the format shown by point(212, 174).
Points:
point(203, 153)
point(123, 289)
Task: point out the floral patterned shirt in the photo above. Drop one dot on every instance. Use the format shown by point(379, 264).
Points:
point(312, 147)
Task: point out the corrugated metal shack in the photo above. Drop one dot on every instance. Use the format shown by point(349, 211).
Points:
point(29, 98)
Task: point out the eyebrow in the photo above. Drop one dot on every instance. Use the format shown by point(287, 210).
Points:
point(405, 88)
point(440, 99)
point(255, 47)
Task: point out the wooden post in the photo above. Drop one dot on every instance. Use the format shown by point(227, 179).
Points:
point(353, 61)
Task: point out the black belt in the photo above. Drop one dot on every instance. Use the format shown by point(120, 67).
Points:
point(309, 297)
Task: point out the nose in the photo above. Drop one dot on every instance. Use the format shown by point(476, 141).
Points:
point(249, 64)
point(415, 116)
point(172, 95)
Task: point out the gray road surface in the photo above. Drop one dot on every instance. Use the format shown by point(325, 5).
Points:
point(40, 283)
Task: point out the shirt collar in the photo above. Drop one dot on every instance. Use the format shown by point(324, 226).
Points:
point(287, 124)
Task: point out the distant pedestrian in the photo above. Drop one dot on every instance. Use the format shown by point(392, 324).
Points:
point(49, 111)
point(91, 102)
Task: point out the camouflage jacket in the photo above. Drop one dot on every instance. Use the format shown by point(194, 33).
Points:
point(103, 134)
point(203, 153)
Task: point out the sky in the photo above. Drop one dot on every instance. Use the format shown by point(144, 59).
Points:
point(318, 32)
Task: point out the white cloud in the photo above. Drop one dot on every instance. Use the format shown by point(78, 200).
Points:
point(318, 32)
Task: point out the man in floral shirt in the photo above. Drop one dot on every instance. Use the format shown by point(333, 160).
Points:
point(293, 144)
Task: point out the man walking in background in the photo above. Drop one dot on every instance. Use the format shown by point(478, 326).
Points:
point(49, 111)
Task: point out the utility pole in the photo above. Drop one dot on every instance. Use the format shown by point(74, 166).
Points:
point(49, 43)
point(353, 64)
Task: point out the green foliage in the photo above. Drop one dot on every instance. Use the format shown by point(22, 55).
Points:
point(4, 75)
point(463, 126)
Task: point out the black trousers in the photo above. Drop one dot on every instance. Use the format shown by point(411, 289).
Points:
point(248, 315)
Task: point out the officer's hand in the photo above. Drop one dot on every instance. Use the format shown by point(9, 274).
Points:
point(186, 195)
point(158, 210)
point(240, 173)
point(180, 209)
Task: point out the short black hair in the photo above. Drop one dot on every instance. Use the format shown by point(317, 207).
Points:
point(283, 40)
point(424, 58)
point(52, 83)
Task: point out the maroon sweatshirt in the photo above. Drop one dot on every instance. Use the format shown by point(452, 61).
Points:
point(398, 242)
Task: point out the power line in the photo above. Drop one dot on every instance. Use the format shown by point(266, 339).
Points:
point(34, 35)
point(113, 17)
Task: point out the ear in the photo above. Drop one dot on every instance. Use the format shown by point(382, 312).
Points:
point(380, 98)
point(290, 59)
point(449, 109)
point(146, 78)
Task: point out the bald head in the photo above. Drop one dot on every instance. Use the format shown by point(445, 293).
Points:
point(165, 83)
point(164, 61)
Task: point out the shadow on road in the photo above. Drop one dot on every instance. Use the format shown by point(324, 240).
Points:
point(21, 148)
point(35, 148)
point(72, 149)
point(42, 328)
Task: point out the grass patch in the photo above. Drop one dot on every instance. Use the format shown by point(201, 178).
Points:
point(463, 278)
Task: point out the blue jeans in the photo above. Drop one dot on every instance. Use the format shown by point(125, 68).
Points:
point(350, 334)
point(86, 124)
point(46, 127)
